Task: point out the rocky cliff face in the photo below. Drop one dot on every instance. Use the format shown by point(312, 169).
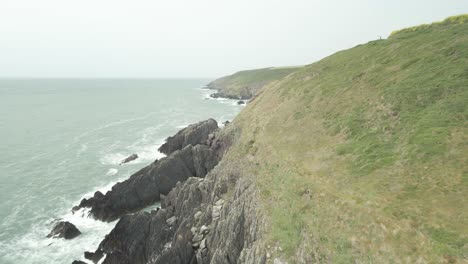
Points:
point(209, 216)
point(191, 153)
point(195, 225)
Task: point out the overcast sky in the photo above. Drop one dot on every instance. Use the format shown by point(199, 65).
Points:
point(192, 38)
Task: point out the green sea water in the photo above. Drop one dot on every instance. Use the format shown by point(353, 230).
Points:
point(62, 139)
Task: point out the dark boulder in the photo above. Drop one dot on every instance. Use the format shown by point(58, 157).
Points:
point(129, 158)
point(88, 202)
point(240, 102)
point(79, 262)
point(94, 256)
point(192, 135)
point(64, 230)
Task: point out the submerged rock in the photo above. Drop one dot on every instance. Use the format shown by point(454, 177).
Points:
point(65, 230)
point(129, 158)
point(240, 102)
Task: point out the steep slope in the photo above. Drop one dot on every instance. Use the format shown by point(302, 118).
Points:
point(245, 84)
point(358, 158)
point(363, 155)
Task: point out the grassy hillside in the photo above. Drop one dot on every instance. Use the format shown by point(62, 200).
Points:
point(364, 154)
point(245, 84)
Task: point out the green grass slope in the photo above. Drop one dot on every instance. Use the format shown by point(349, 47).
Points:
point(245, 84)
point(362, 157)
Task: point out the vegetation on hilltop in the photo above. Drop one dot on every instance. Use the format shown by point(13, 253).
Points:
point(453, 20)
point(245, 84)
point(363, 155)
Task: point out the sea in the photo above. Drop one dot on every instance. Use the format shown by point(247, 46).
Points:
point(63, 139)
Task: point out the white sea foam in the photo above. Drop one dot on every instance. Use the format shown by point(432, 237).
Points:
point(34, 247)
point(152, 207)
point(102, 259)
point(206, 93)
point(145, 154)
point(146, 147)
point(112, 171)
point(103, 189)
point(148, 153)
point(112, 124)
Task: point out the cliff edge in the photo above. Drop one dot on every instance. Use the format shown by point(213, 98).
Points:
point(360, 157)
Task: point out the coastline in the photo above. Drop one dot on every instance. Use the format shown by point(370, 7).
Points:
point(195, 221)
point(29, 244)
point(336, 162)
point(207, 151)
point(150, 208)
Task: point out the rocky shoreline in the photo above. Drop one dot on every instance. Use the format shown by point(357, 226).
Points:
point(190, 153)
point(221, 93)
point(197, 222)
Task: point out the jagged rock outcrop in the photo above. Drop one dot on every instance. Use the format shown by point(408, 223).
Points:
point(64, 229)
point(198, 223)
point(145, 186)
point(192, 135)
point(202, 220)
point(129, 158)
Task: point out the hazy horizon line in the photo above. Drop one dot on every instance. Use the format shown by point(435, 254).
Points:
point(107, 78)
